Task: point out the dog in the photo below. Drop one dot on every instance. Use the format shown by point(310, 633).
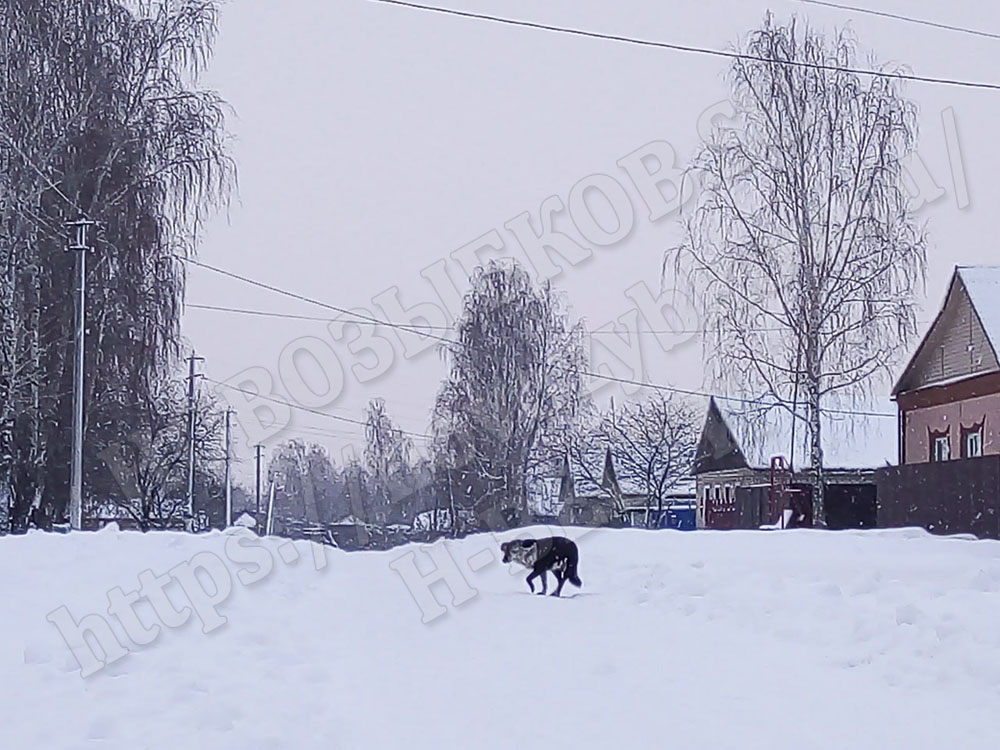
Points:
point(556, 553)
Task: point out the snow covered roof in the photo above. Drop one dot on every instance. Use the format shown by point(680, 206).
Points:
point(982, 289)
point(983, 286)
point(246, 520)
point(864, 439)
point(588, 474)
point(348, 521)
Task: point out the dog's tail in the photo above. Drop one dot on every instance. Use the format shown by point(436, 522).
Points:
point(571, 571)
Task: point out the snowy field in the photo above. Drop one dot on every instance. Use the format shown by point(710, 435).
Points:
point(796, 639)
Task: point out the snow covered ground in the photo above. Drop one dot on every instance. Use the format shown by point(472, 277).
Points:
point(792, 639)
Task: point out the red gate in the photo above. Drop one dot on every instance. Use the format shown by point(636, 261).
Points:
point(779, 491)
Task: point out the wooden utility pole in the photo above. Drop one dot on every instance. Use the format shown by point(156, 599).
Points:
point(189, 514)
point(81, 247)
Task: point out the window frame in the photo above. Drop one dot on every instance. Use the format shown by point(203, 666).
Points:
point(975, 431)
point(938, 438)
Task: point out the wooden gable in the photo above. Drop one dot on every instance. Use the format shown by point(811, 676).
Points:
point(955, 347)
point(718, 449)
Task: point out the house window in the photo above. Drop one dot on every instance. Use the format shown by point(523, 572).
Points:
point(940, 446)
point(972, 441)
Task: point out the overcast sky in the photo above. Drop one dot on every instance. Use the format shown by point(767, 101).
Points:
point(374, 141)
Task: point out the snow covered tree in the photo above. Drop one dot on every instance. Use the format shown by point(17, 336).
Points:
point(387, 460)
point(653, 442)
point(515, 382)
point(802, 248)
point(146, 462)
point(99, 116)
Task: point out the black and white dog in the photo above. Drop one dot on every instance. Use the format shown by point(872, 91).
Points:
point(555, 553)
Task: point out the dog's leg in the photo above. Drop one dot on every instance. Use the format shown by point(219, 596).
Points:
point(531, 578)
point(561, 578)
point(545, 581)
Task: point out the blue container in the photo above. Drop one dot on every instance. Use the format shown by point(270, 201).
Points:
point(681, 518)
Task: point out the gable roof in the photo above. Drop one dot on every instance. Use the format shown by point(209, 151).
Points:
point(982, 283)
point(750, 436)
point(981, 287)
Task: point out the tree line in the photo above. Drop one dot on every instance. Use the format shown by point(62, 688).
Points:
point(100, 118)
point(801, 250)
point(513, 408)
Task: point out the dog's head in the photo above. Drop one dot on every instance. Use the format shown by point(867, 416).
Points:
point(522, 551)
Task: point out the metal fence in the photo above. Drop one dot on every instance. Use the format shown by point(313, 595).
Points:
point(947, 497)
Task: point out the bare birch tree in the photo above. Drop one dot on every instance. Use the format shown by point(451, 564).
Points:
point(387, 459)
point(515, 383)
point(146, 477)
point(653, 443)
point(802, 247)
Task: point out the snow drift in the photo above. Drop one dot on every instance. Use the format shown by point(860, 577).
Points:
point(793, 639)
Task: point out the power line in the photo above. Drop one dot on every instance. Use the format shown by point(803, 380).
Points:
point(689, 48)
point(901, 17)
point(302, 298)
point(734, 399)
point(317, 318)
point(293, 405)
point(422, 327)
point(610, 378)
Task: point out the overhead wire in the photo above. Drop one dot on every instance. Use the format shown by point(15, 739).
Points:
point(587, 373)
point(293, 405)
point(691, 49)
point(901, 17)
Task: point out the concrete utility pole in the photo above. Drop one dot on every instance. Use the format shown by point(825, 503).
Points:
point(189, 514)
point(270, 512)
point(81, 247)
point(229, 474)
point(258, 448)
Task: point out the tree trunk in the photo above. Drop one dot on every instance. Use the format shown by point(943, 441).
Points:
point(451, 502)
point(816, 457)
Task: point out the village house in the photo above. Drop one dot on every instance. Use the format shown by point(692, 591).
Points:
point(746, 458)
point(578, 493)
point(948, 398)
point(588, 491)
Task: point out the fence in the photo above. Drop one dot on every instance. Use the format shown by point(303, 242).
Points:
point(947, 497)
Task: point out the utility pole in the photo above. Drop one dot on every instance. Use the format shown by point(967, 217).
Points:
point(79, 245)
point(229, 474)
point(258, 448)
point(270, 511)
point(189, 515)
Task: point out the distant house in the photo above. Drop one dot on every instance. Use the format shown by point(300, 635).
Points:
point(948, 399)
point(579, 492)
point(678, 507)
point(588, 491)
point(742, 454)
point(246, 520)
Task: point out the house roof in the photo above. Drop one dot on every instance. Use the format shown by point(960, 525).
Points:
point(982, 287)
point(246, 519)
point(543, 494)
point(590, 481)
point(864, 439)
